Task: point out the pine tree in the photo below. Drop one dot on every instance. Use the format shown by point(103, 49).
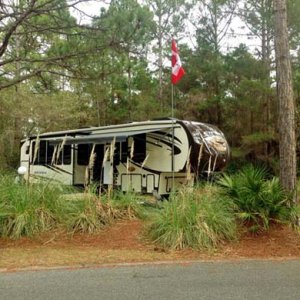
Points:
point(286, 107)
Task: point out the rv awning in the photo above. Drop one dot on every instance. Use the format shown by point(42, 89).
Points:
point(102, 138)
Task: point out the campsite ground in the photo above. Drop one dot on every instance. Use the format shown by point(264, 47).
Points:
point(122, 243)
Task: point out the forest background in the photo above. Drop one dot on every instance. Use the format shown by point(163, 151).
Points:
point(57, 72)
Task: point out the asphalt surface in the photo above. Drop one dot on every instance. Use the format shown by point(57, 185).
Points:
point(200, 280)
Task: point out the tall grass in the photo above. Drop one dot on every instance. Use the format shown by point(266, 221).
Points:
point(85, 215)
point(26, 210)
point(258, 201)
point(193, 219)
point(129, 205)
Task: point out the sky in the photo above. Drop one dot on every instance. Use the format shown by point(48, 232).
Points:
point(88, 9)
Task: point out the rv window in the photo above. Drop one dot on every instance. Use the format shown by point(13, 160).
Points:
point(97, 170)
point(50, 150)
point(27, 150)
point(83, 154)
point(32, 151)
point(124, 151)
point(42, 153)
point(67, 155)
point(117, 154)
point(58, 159)
point(139, 148)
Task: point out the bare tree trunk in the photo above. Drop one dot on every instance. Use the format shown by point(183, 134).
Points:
point(266, 7)
point(160, 64)
point(129, 73)
point(286, 106)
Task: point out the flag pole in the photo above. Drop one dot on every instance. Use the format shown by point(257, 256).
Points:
point(177, 73)
point(173, 161)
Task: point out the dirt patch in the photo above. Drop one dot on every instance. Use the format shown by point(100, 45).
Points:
point(123, 243)
point(279, 241)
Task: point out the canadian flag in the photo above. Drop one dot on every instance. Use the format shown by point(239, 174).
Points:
point(177, 69)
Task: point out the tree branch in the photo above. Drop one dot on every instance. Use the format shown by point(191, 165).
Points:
point(14, 26)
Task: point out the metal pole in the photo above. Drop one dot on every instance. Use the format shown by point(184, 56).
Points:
point(173, 150)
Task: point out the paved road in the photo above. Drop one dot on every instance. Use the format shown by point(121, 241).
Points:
point(202, 280)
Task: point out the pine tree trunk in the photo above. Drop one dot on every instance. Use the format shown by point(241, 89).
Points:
point(160, 64)
point(286, 107)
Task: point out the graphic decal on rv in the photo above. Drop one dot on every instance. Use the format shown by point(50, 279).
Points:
point(164, 134)
point(160, 141)
point(57, 169)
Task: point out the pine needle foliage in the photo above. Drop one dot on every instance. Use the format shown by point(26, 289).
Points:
point(198, 219)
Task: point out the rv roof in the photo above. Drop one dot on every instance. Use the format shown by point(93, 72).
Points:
point(111, 130)
point(107, 137)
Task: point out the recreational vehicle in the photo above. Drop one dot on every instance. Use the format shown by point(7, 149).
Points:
point(147, 157)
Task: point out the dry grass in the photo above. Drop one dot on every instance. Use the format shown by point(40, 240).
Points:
point(49, 257)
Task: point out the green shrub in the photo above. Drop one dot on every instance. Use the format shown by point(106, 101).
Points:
point(128, 205)
point(193, 219)
point(258, 201)
point(83, 215)
point(26, 210)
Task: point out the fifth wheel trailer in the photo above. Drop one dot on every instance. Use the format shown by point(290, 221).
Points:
point(148, 157)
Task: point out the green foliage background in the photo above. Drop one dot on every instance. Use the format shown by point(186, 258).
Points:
point(58, 74)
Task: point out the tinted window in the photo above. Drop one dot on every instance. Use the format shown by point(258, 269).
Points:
point(45, 154)
point(139, 148)
point(124, 151)
point(117, 154)
point(50, 150)
point(83, 154)
point(97, 170)
point(40, 158)
point(64, 156)
point(32, 151)
point(67, 155)
point(58, 159)
point(42, 153)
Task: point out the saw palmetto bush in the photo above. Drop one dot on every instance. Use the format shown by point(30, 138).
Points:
point(258, 200)
point(198, 219)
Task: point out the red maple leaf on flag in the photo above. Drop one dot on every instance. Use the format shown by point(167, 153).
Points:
point(177, 69)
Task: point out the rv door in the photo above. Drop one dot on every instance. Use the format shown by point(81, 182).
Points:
point(108, 175)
